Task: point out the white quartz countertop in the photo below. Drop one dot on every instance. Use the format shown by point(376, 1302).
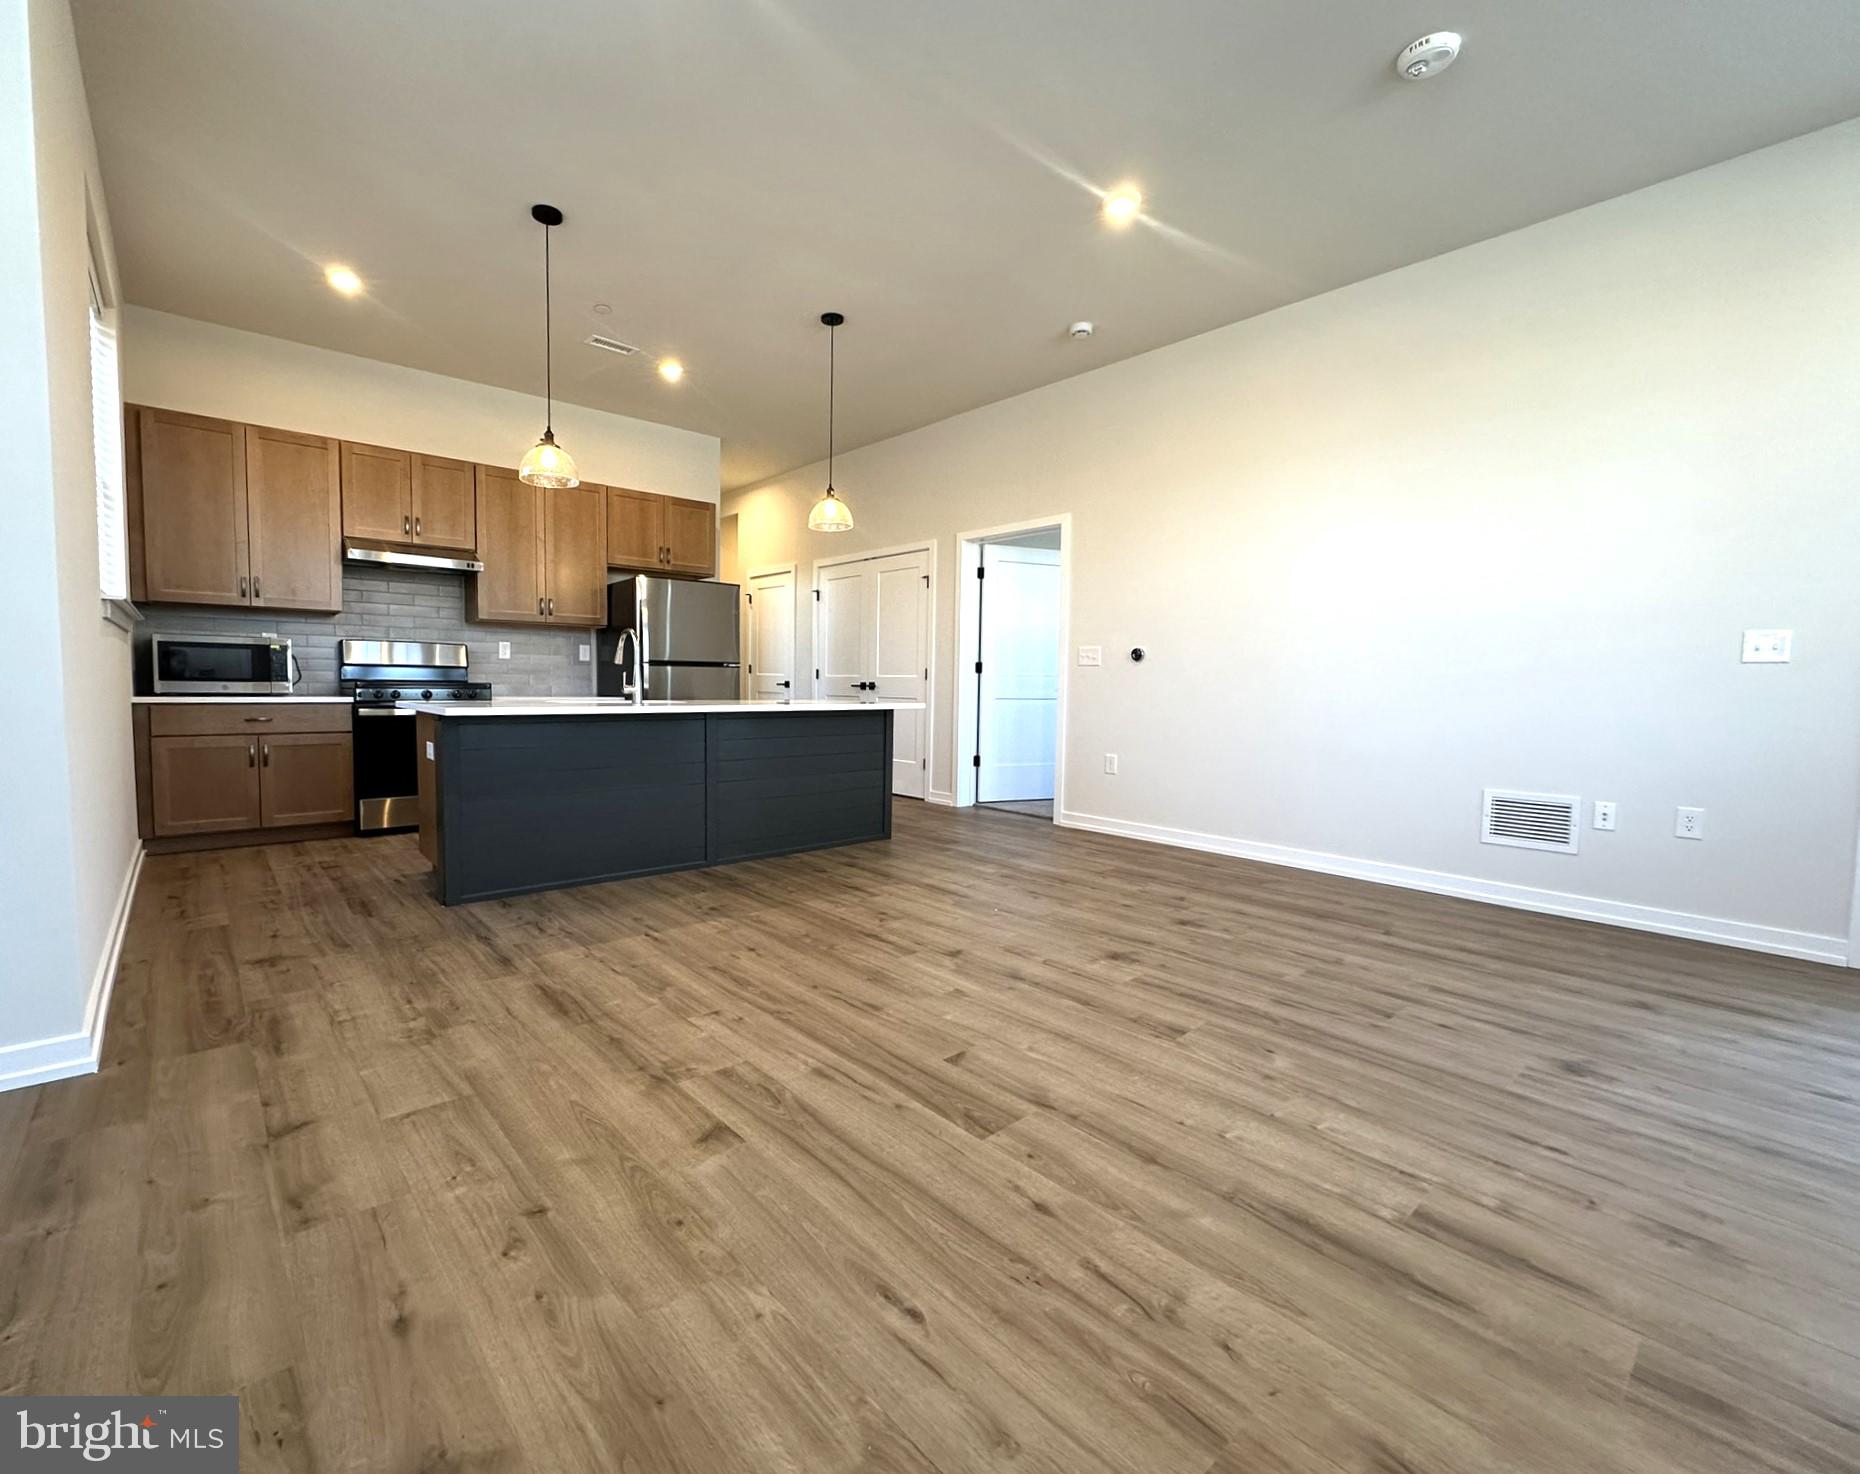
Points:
point(621, 706)
point(242, 700)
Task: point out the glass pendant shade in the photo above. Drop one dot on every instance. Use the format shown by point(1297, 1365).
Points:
point(548, 464)
point(830, 514)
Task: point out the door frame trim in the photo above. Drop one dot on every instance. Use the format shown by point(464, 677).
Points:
point(749, 576)
point(968, 650)
point(928, 547)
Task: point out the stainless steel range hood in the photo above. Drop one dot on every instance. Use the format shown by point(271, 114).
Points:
point(356, 552)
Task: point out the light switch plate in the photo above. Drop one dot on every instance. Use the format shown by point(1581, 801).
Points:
point(503, 649)
point(429, 752)
point(1110, 763)
point(1768, 647)
point(1604, 813)
point(1091, 655)
point(582, 652)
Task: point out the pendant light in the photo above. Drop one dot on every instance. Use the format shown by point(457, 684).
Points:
point(548, 464)
point(830, 514)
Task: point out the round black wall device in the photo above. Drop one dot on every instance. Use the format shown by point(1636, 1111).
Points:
point(1136, 652)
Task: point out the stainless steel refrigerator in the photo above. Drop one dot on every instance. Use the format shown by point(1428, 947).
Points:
point(689, 636)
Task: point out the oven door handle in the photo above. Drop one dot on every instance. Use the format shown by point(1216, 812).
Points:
point(383, 711)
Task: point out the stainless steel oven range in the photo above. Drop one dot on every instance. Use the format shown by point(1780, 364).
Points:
point(378, 673)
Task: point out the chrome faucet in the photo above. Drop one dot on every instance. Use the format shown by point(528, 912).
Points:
point(634, 684)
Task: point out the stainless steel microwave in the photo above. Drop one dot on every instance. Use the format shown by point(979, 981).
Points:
point(219, 665)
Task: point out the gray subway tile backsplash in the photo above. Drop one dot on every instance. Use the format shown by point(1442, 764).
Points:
point(396, 604)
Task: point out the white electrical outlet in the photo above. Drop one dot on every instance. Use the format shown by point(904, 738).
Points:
point(1091, 655)
point(1604, 813)
point(581, 652)
point(1768, 647)
point(1110, 763)
point(1689, 824)
point(503, 649)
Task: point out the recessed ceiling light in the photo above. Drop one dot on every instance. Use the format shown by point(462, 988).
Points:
point(342, 279)
point(671, 370)
point(1123, 204)
point(601, 309)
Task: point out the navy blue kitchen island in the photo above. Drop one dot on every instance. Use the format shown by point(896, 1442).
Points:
point(520, 796)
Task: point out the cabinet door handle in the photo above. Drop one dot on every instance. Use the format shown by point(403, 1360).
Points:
point(255, 593)
point(540, 609)
point(251, 755)
point(552, 608)
point(416, 526)
point(267, 747)
point(242, 586)
point(406, 523)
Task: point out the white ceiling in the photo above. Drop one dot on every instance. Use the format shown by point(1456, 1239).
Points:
point(730, 168)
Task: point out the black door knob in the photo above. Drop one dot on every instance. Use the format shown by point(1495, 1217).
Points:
point(783, 684)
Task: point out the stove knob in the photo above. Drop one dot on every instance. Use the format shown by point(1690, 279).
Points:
point(426, 696)
point(394, 695)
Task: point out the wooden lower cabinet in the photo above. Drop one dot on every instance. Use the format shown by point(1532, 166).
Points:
point(232, 768)
point(306, 778)
point(204, 785)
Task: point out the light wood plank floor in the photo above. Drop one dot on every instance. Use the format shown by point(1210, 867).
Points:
point(992, 1148)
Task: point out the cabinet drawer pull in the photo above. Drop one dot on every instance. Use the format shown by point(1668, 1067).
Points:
point(261, 719)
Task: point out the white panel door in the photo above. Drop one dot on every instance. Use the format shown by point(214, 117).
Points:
point(901, 659)
point(1018, 710)
point(872, 633)
point(843, 635)
point(771, 636)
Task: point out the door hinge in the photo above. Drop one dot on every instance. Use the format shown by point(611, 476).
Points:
point(752, 667)
point(752, 598)
point(816, 672)
point(978, 667)
point(926, 580)
point(978, 760)
point(816, 596)
point(926, 672)
point(923, 762)
point(981, 573)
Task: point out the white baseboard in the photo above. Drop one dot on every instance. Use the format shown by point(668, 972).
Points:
point(39, 1061)
point(1784, 943)
point(941, 796)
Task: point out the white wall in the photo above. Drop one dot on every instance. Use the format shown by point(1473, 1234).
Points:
point(67, 840)
point(202, 368)
point(1497, 518)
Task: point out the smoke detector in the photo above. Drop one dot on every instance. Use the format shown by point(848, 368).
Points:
point(1081, 330)
point(1427, 57)
point(612, 345)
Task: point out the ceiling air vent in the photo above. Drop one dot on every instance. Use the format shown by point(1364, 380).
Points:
point(612, 345)
point(1531, 821)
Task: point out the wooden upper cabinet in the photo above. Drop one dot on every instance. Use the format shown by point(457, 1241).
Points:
point(510, 544)
point(377, 492)
point(294, 510)
point(690, 537)
point(635, 529)
point(575, 565)
point(192, 508)
point(444, 503)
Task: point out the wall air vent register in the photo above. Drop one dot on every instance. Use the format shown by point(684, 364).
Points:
point(1531, 821)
